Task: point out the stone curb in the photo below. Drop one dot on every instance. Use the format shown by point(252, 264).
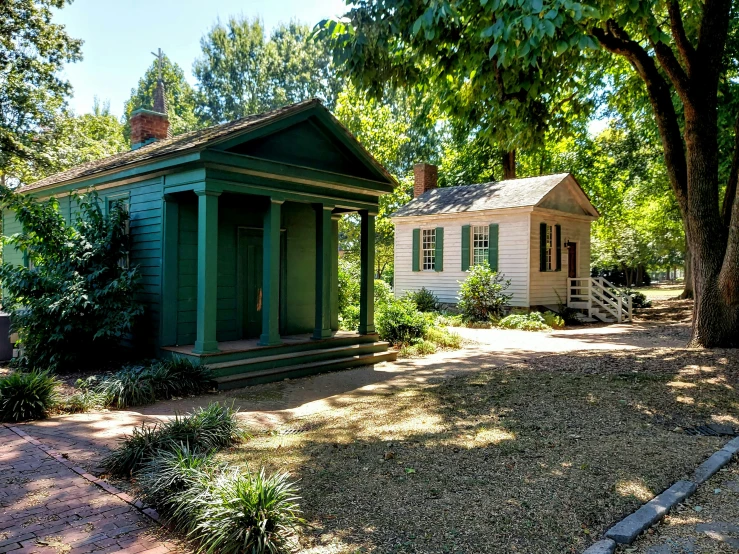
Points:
point(629, 528)
point(151, 513)
point(607, 546)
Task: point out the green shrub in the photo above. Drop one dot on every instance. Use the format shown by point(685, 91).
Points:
point(482, 294)
point(443, 338)
point(383, 294)
point(180, 377)
point(349, 281)
point(75, 301)
point(27, 395)
point(424, 299)
point(569, 315)
point(533, 321)
point(553, 320)
point(638, 299)
point(204, 430)
point(236, 512)
point(400, 322)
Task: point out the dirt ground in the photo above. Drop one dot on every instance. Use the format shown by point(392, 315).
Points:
point(519, 442)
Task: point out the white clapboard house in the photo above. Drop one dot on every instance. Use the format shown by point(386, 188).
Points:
point(535, 231)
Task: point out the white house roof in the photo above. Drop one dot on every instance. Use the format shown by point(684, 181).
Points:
point(511, 193)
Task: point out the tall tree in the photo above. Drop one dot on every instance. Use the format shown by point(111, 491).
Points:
point(241, 72)
point(178, 94)
point(73, 140)
point(33, 50)
point(531, 60)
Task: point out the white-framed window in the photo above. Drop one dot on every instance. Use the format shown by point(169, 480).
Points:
point(480, 244)
point(428, 249)
point(549, 245)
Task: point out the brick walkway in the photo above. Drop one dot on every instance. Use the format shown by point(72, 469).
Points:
point(48, 508)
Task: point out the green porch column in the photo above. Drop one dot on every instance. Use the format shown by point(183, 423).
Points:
point(271, 275)
point(335, 271)
point(367, 279)
point(170, 244)
point(205, 341)
point(322, 329)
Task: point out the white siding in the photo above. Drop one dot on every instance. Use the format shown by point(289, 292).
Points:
point(513, 254)
point(545, 285)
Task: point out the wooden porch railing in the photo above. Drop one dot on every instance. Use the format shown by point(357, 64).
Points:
point(601, 298)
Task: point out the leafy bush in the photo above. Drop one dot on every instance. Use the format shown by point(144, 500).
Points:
point(638, 299)
point(27, 395)
point(482, 294)
point(348, 295)
point(553, 320)
point(424, 299)
point(533, 321)
point(75, 301)
point(419, 348)
point(180, 377)
point(236, 512)
point(569, 315)
point(204, 430)
point(383, 294)
point(400, 322)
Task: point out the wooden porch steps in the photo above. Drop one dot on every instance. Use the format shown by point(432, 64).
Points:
point(224, 369)
point(243, 379)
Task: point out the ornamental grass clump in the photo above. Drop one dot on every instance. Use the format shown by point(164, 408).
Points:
point(237, 512)
point(145, 384)
point(205, 430)
point(27, 395)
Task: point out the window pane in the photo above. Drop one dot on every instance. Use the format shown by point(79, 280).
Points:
point(428, 248)
point(480, 244)
point(550, 247)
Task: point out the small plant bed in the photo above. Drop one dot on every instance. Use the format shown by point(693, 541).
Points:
point(30, 394)
point(536, 457)
point(219, 508)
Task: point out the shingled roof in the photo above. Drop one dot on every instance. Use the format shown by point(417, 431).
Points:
point(511, 193)
point(194, 140)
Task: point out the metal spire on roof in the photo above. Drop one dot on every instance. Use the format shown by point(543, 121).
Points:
point(160, 103)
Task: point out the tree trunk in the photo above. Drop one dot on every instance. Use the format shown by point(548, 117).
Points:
point(509, 165)
point(688, 280)
point(715, 319)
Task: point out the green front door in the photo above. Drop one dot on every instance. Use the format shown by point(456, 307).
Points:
point(250, 278)
point(250, 282)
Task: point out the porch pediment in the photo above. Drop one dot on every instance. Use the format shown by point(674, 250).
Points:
point(308, 144)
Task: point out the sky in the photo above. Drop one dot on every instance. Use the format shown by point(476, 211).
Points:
point(120, 36)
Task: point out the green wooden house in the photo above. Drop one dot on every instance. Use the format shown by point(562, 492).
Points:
point(235, 231)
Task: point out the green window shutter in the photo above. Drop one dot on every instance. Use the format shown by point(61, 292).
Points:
point(465, 247)
point(416, 249)
point(439, 261)
point(558, 230)
point(493, 247)
point(542, 247)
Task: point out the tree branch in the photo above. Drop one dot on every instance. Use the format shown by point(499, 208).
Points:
point(684, 47)
point(712, 39)
point(616, 40)
point(672, 67)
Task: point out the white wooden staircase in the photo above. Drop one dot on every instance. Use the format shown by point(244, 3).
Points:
point(599, 298)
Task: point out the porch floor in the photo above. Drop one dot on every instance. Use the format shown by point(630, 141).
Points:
point(246, 345)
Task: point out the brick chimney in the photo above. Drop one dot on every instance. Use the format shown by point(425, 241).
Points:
point(425, 178)
point(150, 125)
